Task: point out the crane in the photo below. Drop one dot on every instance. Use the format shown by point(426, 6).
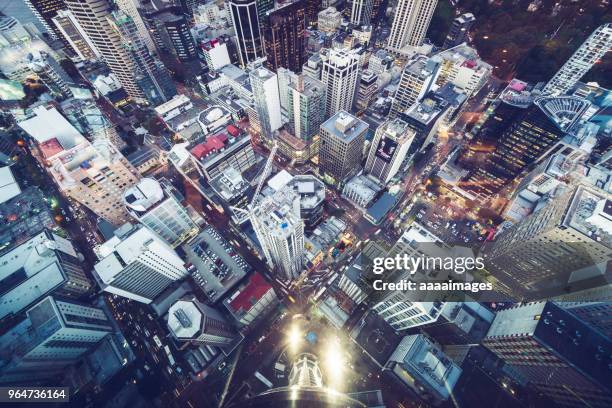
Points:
point(265, 173)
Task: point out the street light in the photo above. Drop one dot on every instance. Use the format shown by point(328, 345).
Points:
point(294, 338)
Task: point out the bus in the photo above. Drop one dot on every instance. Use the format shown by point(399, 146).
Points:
point(158, 342)
point(170, 356)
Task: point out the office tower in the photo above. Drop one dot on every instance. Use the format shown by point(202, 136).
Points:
point(285, 78)
point(151, 76)
point(267, 100)
point(411, 22)
point(306, 107)
point(416, 81)
point(553, 351)
point(342, 139)
point(311, 191)
point(366, 89)
point(329, 20)
point(313, 67)
point(402, 314)
point(50, 73)
point(246, 26)
point(284, 36)
point(189, 320)
point(252, 300)
point(388, 149)
point(312, 12)
point(596, 314)
point(130, 7)
point(538, 254)
point(135, 263)
point(54, 334)
point(216, 54)
point(380, 61)
point(74, 34)
point(533, 131)
point(280, 232)
point(420, 364)
point(43, 264)
point(92, 174)
point(156, 206)
point(340, 74)
point(176, 30)
point(95, 18)
point(45, 10)
point(459, 30)
point(361, 12)
point(591, 51)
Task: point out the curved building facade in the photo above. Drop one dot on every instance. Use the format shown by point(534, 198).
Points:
point(246, 25)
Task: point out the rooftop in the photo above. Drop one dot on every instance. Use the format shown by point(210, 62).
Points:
point(247, 296)
point(185, 319)
point(212, 144)
point(345, 126)
point(48, 125)
point(589, 214)
point(143, 195)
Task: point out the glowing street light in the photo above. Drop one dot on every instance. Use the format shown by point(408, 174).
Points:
point(294, 338)
point(334, 363)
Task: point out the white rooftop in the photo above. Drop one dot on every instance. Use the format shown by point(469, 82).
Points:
point(8, 185)
point(280, 180)
point(143, 195)
point(184, 319)
point(48, 124)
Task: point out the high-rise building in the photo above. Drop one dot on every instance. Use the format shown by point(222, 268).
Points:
point(280, 231)
point(135, 263)
point(403, 315)
point(51, 73)
point(416, 81)
point(553, 351)
point(594, 313)
point(388, 149)
point(284, 36)
point(366, 89)
point(95, 18)
point(45, 10)
point(313, 67)
point(192, 321)
point(130, 7)
point(342, 140)
point(361, 12)
point(92, 174)
point(74, 34)
point(340, 74)
point(267, 100)
point(44, 264)
point(176, 28)
point(247, 28)
point(538, 255)
point(306, 107)
point(312, 11)
point(54, 334)
point(412, 18)
point(285, 79)
point(151, 76)
point(459, 30)
point(216, 54)
point(329, 20)
point(591, 51)
point(157, 206)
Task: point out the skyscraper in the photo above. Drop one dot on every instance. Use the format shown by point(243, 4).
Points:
point(342, 139)
point(247, 28)
point(417, 79)
point(458, 32)
point(151, 76)
point(45, 10)
point(192, 321)
point(388, 149)
point(95, 18)
point(135, 263)
point(591, 51)
point(284, 36)
point(280, 232)
point(156, 206)
point(54, 334)
point(306, 107)
point(411, 22)
point(51, 73)
point(72, 31)
point(366, 89)
point(267, 100)
point(130, 7)
point(340, 74)
point(553, 351)
point(361, 12)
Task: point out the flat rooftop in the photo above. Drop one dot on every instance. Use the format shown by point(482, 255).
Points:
point(345, 126)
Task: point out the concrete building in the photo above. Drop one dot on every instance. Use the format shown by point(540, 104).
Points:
point(130, 7)
point(388, 150)
point(280, 231)
point(220, 152)
point(329, 20)
point(53, 335)
point(267, 99)
point(252, 300)
point(459, 30)
point(361, 190)
point(380, 61)
point(45, 10)
point(194, 322)
point(420, 364)
point(306, 107)
point(75, 35)
point(361, 12)
point(137, 264)
point(44, 264)
point(95, 18)
point(410, 24)
point(313, 67)
point(367, 87)
point(418, 78)
point(591, 51)
point(340, 73)
point(51, 73)
point(216, 54)
point(342, 139)
point(554, 352)
point(462, 67)
point(93, 174)
point(157, 206)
